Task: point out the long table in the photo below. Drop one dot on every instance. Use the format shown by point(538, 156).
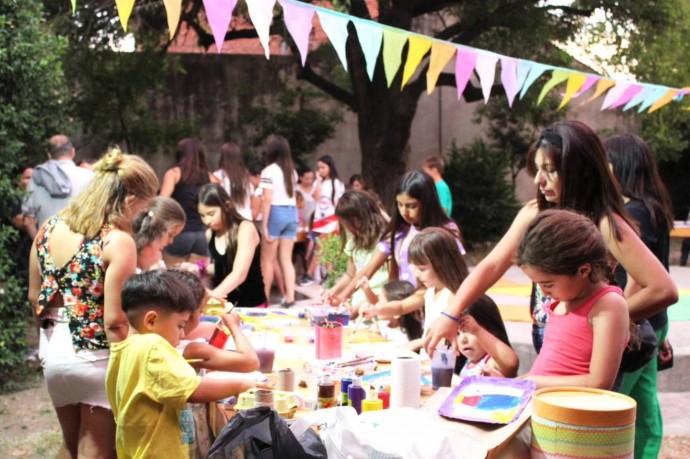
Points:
point(294, 350)
point(680, 229)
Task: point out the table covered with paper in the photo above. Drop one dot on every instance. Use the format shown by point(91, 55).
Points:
point(371, 351)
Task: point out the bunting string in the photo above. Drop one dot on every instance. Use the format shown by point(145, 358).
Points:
point(516, 75)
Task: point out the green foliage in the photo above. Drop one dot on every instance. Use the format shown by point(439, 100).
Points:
point(296, 117)
point(33, 107)
point(483, 200)
point(332, 256)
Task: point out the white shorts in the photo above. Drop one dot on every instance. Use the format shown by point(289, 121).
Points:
point(71, 377)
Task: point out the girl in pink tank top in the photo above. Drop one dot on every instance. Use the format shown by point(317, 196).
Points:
point(564, 253)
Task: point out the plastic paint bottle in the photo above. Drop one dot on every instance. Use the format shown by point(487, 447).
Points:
point(385, 397)
point(344, 385)
point(326, 394)
point(372, 403)
point(356, 394)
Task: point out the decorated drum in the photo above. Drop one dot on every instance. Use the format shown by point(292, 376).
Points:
point(577, 422)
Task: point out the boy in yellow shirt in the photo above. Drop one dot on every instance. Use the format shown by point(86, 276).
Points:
point(148, 381)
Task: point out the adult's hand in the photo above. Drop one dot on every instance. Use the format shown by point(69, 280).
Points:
point(442, 328)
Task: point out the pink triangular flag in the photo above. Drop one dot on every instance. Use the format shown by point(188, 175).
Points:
point(464, 66)
point(509, 78)
point(615, 93)
point(124, 10)
point(219, 15)
point(589, 82)
point(629, 93)
point(261, 14)
point(298, 22)
point(486, 69)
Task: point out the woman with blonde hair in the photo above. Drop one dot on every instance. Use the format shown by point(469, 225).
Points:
point(79, 262)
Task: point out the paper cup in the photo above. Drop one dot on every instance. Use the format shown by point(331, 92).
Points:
point(329, 341)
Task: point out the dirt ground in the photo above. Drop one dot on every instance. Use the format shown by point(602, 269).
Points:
point(29, 427)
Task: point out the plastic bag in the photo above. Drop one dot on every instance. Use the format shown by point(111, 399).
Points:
point(388, 434)
point(262, 433)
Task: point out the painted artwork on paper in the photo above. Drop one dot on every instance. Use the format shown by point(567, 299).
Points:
point(490, 400)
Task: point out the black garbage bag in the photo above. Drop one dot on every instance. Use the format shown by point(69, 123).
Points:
point(260, 433)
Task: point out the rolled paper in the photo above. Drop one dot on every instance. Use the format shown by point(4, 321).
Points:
point(406, 383)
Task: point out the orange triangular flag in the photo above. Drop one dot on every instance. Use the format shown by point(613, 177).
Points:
point(172, 9)
point(441, 54)
point(602, 86)
point(663, 100)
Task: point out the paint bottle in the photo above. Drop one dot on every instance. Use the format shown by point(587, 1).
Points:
point(220, 335)
point(385, 397)
point(356, 394)
point(372, 403)
point(344, 385)
point(326, 393)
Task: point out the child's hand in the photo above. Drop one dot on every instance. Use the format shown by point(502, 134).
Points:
point(362, 283)
point(468, 324)
point(489, 370)
point(368, 311)
point(231, 320)
point(218, 295)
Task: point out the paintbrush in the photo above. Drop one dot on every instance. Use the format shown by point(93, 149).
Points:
point(233, 305)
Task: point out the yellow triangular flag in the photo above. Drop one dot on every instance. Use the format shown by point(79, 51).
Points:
point(74, 6)
point(557, 77)
point(602, 86)
point(416, 51)
point(441, 54)
point(172, 9)
point(393, 44)
point(124, 10)
point(663, 100)
point(575, 82)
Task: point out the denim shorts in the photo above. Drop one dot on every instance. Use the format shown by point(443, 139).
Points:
point(283, 222)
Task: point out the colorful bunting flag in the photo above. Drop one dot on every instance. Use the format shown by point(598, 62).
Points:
point(523, 70)
point(647, 90)
point(219, 14)
point(172, 10)
point(663, 100)
point(486, 69)
point(629, 93)
point(602, 85)
point(370, 39)
point(464, 66)
point(335, 27)
point(534, 73)
point(124, 10)
point(261, 14)
point(393, 44)
point(298, 20)
point(509, 78)
point(651, 98)
point(557, 77)
point(441, 54)
point(416, 50)
point(615, 93)
point(589, 82)
point(575, 82)
point(74, 6)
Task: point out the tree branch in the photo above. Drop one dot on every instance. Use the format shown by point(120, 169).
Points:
point(308, 74)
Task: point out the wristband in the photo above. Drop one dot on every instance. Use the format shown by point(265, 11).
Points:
point(450, 316)
point(201, 264)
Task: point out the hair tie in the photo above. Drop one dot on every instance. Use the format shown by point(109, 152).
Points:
point(551, 136)
point(151, 214)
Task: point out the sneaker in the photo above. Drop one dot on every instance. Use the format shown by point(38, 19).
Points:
point(285, 304)
point(305, 280)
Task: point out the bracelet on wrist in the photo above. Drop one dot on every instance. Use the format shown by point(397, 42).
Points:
point(201, 264)
point(450, 316)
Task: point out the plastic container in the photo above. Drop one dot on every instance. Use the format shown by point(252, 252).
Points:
point(326, 393)
point(372, 402)
point(356, 394)
point(385, 397)
point(344, 386)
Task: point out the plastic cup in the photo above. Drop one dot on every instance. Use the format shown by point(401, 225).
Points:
point(329, 341)
point(266, 357)
point(263, 397)
point(442, 367)
point(286, 380)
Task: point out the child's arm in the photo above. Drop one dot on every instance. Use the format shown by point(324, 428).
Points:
point(501, 356)
point(396, 308)
point(331, 294)
point(377, 260)
point(247, 242)
point(210, 390)
point(372, 297)
point(243, 360)
point(610, 324)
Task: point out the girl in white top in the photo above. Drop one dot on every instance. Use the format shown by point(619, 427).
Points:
point(327, 191)
point(306, 185)
point(280, 219)
point(234, 178)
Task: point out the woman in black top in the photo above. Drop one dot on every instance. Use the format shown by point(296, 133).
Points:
point(234, 244)
point(182, 183)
